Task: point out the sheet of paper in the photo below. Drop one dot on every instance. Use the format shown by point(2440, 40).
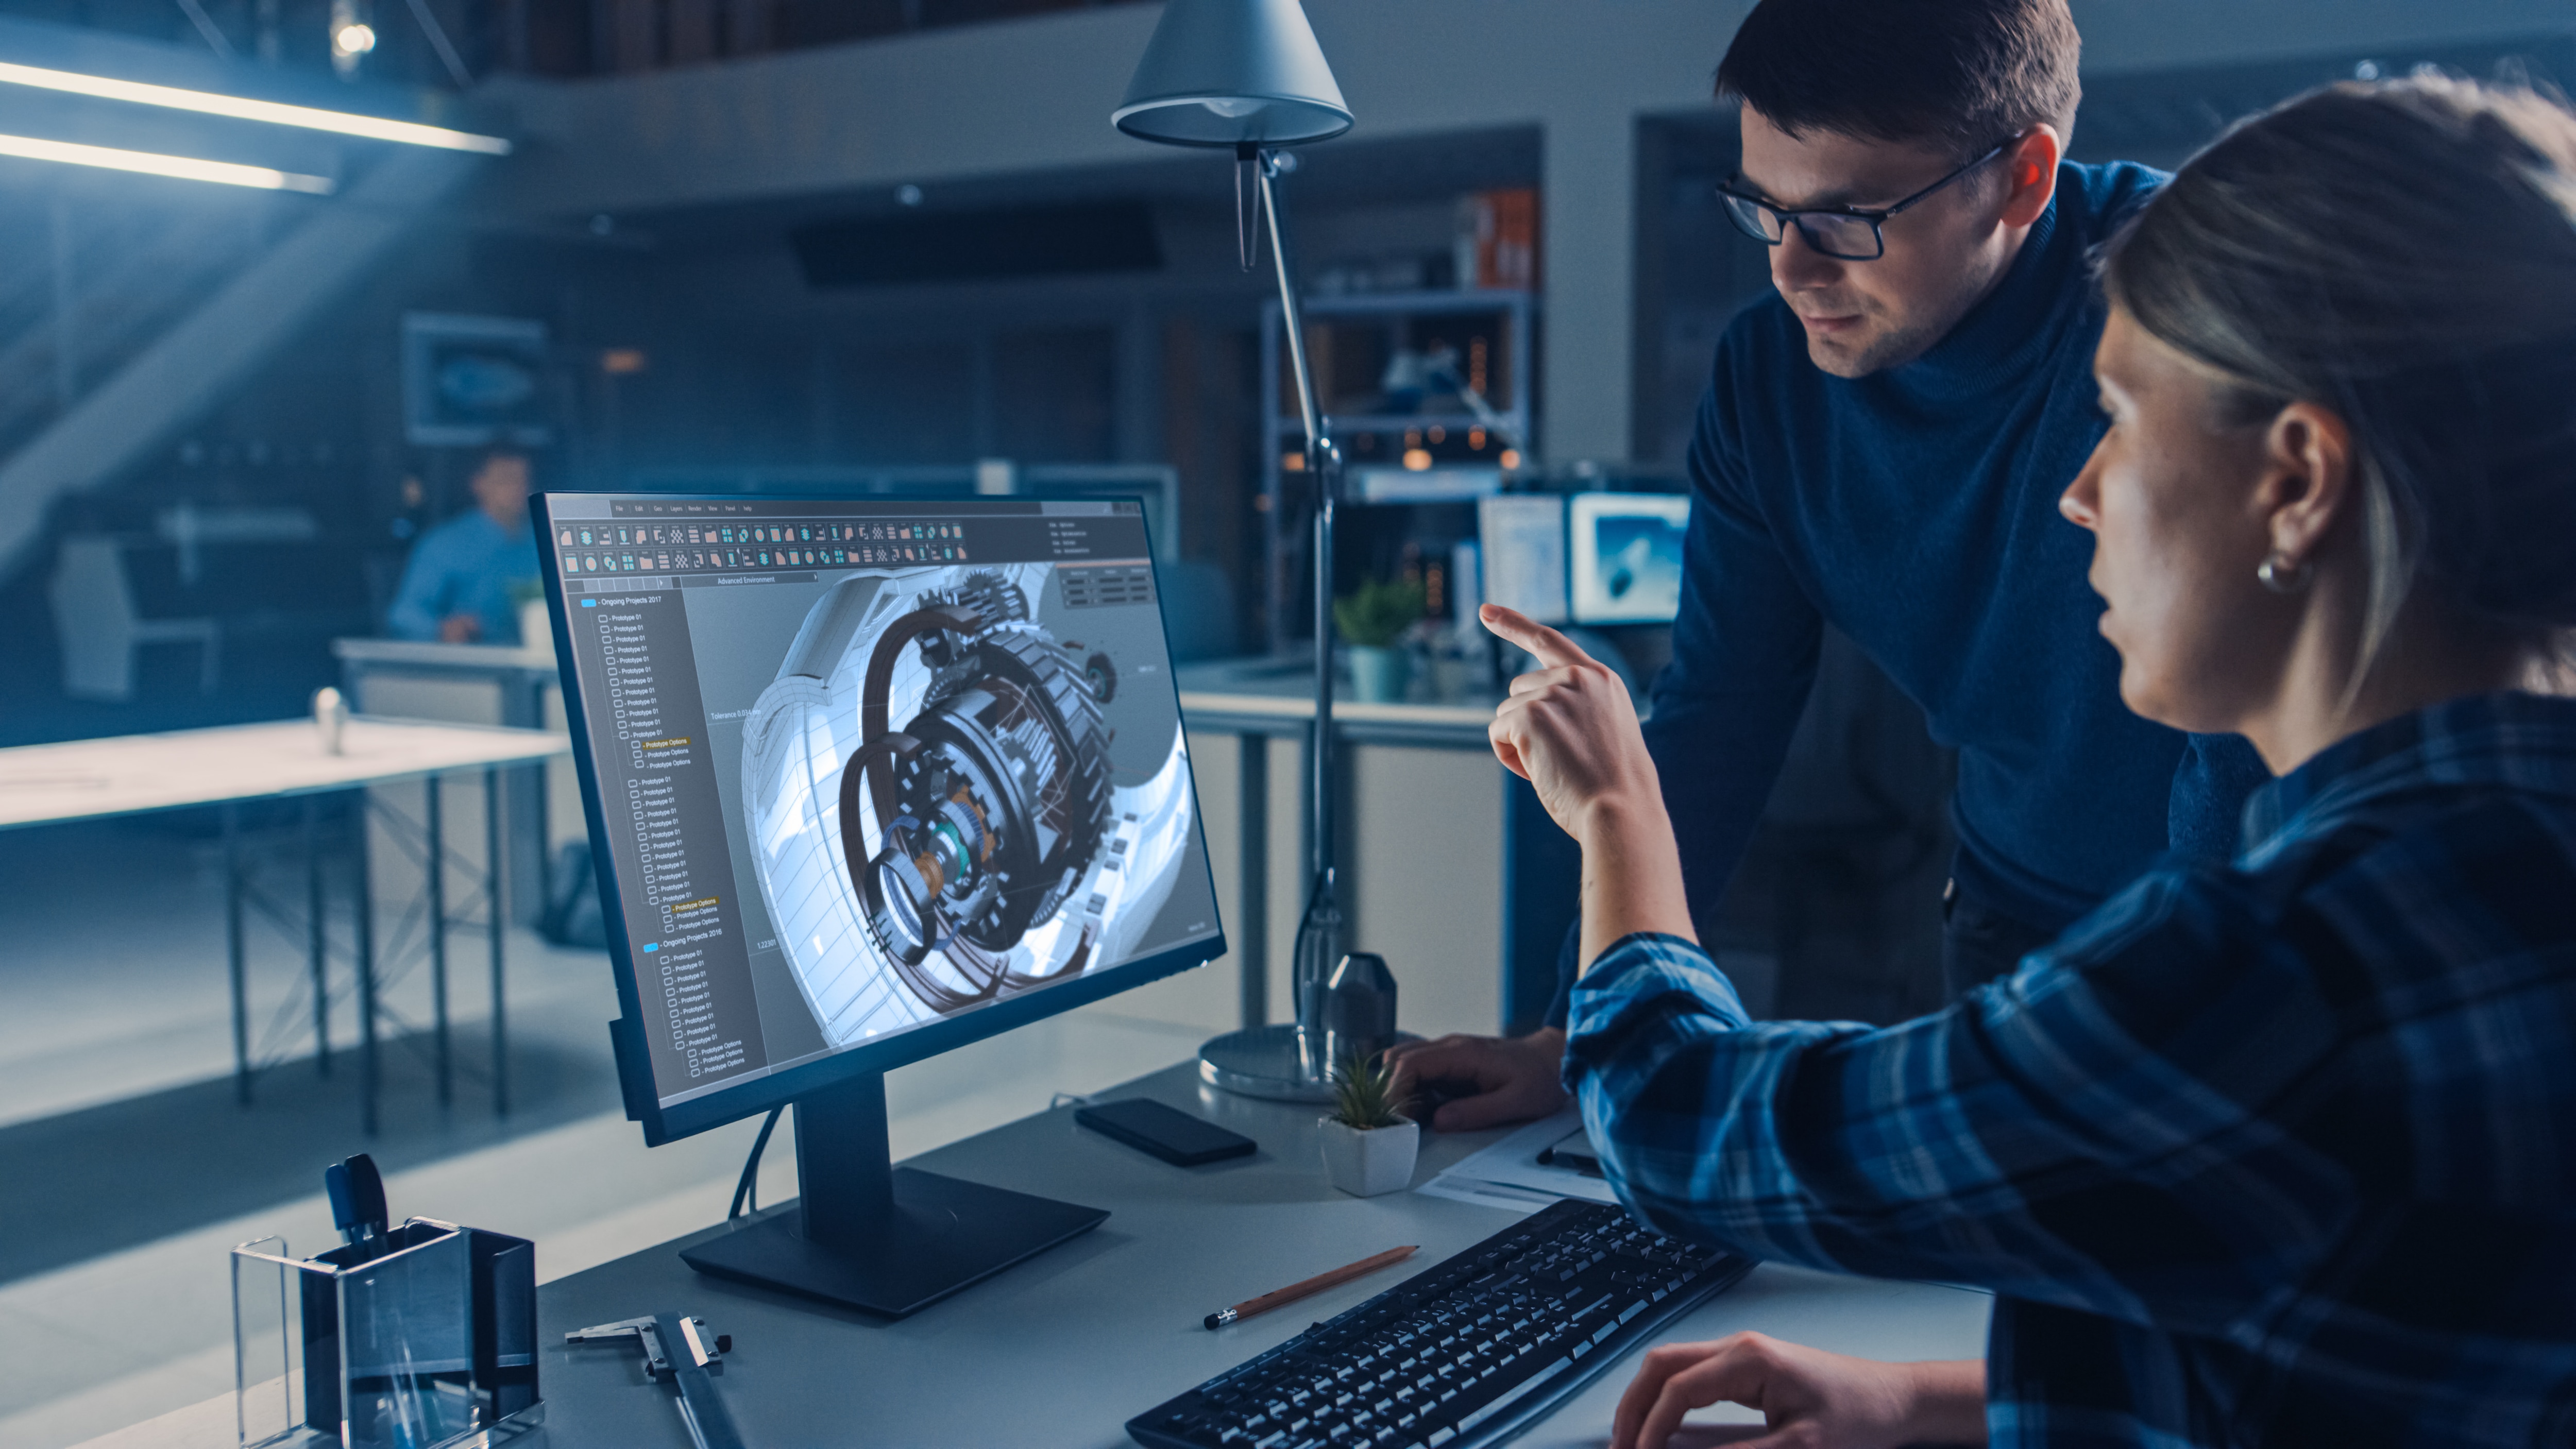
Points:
point(1509, 1172)
point(1486, 1194)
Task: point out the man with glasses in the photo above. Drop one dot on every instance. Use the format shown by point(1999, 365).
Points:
point(1881, 448)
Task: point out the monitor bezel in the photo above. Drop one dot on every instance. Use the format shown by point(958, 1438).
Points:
point(731, 1104)
point(1582, 560)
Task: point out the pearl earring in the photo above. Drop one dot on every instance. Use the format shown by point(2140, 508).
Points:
point(2282, 576)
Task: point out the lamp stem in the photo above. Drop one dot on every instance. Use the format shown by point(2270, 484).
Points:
point(1318, 931)
point(1247, 205)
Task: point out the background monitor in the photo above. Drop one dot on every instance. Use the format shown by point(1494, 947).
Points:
point(1521, 543)
point(1624, 552)
point(868, 779)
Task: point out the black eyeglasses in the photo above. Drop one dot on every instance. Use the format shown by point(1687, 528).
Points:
point(1849, 233)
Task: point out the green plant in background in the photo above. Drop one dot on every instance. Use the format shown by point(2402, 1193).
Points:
point(523, 590)
point(1364, 1094)
point(1377, 614)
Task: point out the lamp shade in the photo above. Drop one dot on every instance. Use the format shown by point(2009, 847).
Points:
point(1233, 73)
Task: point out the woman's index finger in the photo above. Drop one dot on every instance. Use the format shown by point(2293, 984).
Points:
point(1552, 649)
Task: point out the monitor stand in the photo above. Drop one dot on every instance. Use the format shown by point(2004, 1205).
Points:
point(883, 1239)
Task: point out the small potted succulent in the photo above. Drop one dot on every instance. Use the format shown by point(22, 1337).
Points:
point(1369, 1146)
point(1372, 621)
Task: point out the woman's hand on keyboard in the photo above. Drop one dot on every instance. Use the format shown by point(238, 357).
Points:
point(1810, 1399)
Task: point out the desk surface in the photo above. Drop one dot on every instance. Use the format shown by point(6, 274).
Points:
point(128, 774)
point(432, 654)
point(1064, 1348)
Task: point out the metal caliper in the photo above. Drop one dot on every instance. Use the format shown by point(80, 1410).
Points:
point(690, 1372)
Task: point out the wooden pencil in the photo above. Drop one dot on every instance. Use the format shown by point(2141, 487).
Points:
point(1317, 1284)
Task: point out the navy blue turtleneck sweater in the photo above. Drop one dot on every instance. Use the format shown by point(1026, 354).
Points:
point(1916, 509)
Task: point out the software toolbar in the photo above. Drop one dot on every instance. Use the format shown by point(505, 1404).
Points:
point(682, 548)
point(712, 546)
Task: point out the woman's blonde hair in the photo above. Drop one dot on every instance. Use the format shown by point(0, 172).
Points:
point(2403, 252)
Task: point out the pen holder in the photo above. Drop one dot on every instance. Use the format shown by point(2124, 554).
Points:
point(428, 1341)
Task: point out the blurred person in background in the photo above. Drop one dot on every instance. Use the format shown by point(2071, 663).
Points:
point(466, 576)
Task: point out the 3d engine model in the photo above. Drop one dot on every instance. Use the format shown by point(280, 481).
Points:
point(994, 799)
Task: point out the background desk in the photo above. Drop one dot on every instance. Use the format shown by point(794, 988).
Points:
point(133, 774)
point(481, 684)
point(1063, 1349)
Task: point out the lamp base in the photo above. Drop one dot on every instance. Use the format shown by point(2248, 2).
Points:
point(1269, 1062)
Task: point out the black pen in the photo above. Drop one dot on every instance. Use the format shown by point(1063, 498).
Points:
point(357, 1193)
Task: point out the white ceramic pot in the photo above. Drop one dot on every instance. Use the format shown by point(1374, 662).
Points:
point(1365, 1164)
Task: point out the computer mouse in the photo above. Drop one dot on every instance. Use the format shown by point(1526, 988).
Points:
point(1433, 1093)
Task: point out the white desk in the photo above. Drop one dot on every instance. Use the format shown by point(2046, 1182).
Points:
point(134, 774)
point(376, 675)
point(1064, 1348)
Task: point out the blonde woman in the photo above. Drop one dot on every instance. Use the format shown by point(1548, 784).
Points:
point(2279, 1153)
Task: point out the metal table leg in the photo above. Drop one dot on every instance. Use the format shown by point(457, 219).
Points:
point(369, 1081)
point(496, 914)
point(1252, 890)
point(233, 953)
point(317, 955)
point(534, 838)
point(434, 821)
point(523, 704)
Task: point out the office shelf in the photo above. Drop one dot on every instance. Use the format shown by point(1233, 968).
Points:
point(1343, 424)
point(1348, 342)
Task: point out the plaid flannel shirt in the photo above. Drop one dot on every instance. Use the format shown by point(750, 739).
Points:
point(2282, 1153)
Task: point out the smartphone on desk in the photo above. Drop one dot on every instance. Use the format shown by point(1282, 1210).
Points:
point(1167, 1132)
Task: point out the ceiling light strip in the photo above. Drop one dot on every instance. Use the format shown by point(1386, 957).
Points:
point(154, 164)
point(212, 103)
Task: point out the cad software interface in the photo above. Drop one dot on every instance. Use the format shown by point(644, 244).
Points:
point(869, 765)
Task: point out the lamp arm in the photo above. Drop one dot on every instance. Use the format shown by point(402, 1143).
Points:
point(1318, 929)
point(1291, 314)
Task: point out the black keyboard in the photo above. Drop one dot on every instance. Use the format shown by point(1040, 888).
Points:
point(1465, 1353)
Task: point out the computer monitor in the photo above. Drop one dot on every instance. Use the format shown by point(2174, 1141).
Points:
point(1625, 556)
point(868, 779)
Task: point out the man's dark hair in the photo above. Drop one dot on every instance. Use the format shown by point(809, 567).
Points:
point(1962, 74)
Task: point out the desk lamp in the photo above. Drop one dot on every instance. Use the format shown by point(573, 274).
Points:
point(1247, 76)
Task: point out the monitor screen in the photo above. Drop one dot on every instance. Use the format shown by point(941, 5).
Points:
point(872, 778)
point(1625, 552)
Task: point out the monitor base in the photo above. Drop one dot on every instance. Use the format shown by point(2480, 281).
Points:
point(942, 1235)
